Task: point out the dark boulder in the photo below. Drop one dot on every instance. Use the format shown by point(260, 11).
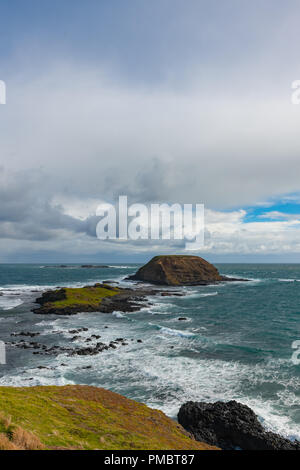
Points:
point(230, 426)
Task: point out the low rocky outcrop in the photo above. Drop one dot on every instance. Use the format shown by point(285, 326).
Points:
point(91, 347)
point(230, 426)
point(31, 334)
point(95, 347)
point(85, 266)
point(93, 266)
point(179, 270)
point(98, 298)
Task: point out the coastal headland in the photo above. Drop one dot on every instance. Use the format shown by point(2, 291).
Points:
point(80, 417)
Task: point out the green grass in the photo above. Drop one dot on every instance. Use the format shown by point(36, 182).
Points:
point(83, 417)
point(85, 296)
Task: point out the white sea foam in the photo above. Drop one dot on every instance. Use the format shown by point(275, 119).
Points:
point(9, 302)
point(240, 280)
point(32, 379)
point(172, 332)
point(163, 377)
point(47, 322)
point(33, 288)
point(158, 308)
point(196, 294)
point(23, 288)
point(121, 267)
point(208, 294)
point(170, 381)
point(119, 315)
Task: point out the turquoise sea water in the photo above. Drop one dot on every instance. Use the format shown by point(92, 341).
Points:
point(234, 344)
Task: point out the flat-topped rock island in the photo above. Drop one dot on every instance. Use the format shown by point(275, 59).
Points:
point(179, 270)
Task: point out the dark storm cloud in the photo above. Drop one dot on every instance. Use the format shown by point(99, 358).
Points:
point(26, 211)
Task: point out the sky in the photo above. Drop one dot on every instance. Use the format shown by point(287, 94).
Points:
point(163, 101)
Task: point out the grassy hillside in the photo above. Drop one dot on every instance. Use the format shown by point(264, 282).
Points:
point(83, 417)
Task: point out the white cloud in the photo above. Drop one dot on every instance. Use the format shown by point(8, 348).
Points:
point(279, 215)
point(97, 138)
point(231, 234)
point(91, 139)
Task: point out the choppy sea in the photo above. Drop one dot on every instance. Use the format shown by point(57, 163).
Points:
point(235, 341)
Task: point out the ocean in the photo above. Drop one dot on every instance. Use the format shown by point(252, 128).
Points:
point(234, 344)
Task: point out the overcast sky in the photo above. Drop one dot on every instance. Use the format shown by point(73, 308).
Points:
point(163, 101)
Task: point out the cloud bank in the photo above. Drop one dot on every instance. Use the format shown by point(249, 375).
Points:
point(192, 107)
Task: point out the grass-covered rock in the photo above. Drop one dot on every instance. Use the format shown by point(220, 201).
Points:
point(83, 417)
point(98, 298)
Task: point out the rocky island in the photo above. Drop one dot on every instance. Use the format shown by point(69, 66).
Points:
point(97, 298)
point(179, 270)
point(168, 270)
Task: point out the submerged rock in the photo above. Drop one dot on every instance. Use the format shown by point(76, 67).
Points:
point(26, 333)
point(230, 426)
point(179, 270)
point(55, 350)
